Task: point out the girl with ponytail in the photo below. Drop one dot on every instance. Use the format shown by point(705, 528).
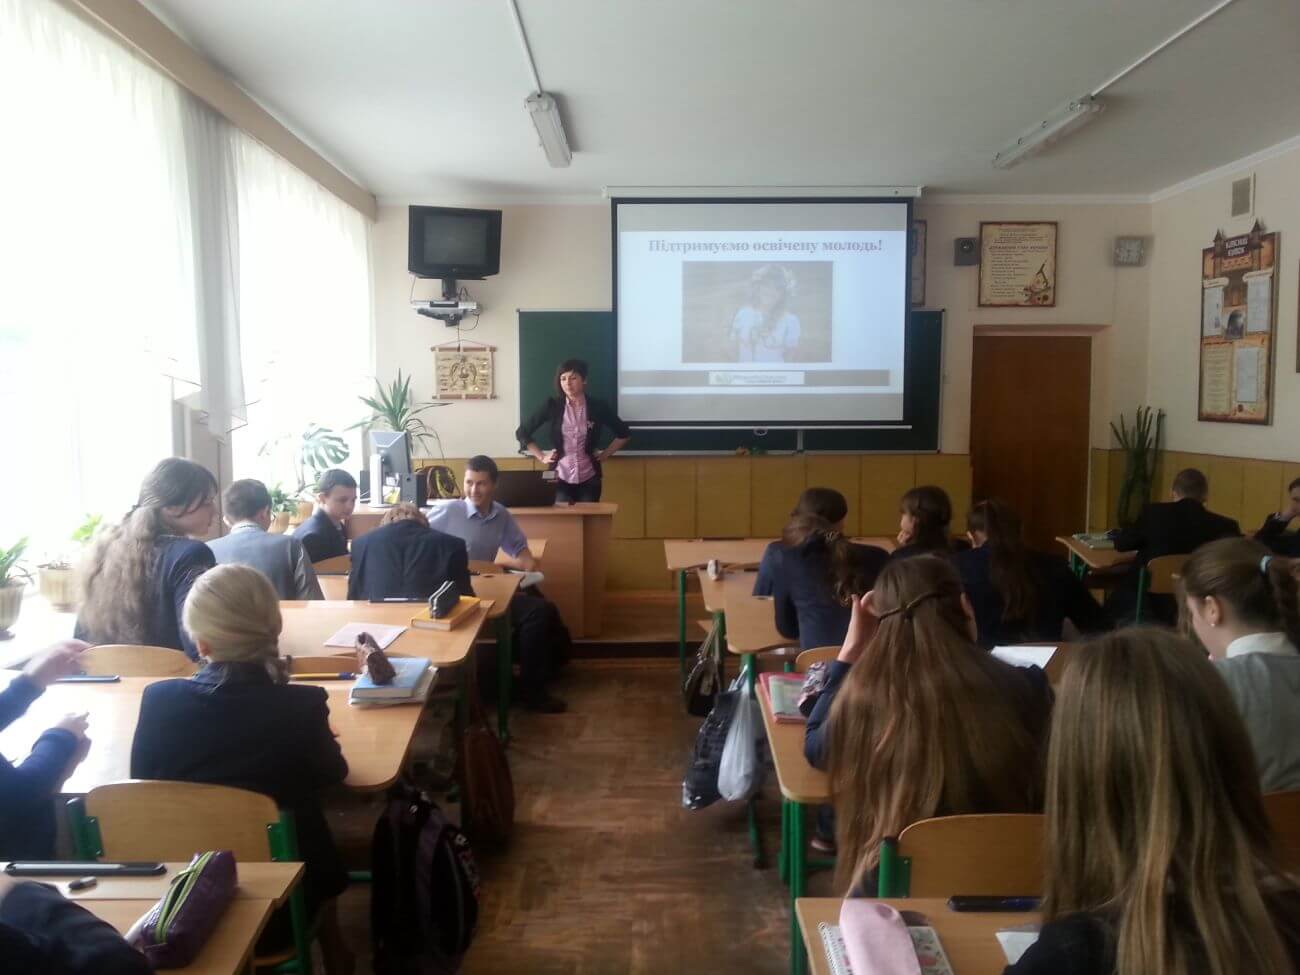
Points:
point(1242, 603)
point(137, 575)
point(917, 721)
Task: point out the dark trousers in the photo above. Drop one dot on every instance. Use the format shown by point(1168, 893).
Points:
point(541, 639)
point(588, 490)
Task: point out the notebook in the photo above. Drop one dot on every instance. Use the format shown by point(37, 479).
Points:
point(783, 691)
point(410, 671)
point(1024, 656)
point(836, 955)
point(930, 956)
point(418, 696)
point(1095, 539)
point(383, 634)
point(463, 609)
point(1015, 943)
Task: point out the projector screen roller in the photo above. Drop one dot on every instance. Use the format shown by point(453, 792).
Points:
point(757, 313)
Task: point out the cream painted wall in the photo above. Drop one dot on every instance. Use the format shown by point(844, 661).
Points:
point(559, 257)
point(1183, 225)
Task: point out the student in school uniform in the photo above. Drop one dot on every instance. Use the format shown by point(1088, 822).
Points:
point(27, 790)
point(322, 535)
point(924, 514)
point(238, 722)
point(1019, 596)
point(1167, 528)
point(1273, 532)
point(1243, 604)
point(139, 572)
point(1160, 860)
point(406, 559)
point(41, 931)
point(487, 527)
point(916, 721)
point(281, 558)
point(815, 571)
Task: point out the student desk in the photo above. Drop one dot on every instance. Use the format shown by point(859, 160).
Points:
point(969, 939)
point(575, 568)
point(375, 741)
point(257, 881)
point(227, 952)
point(801, 785)
point(309, 623)
point(1084, 559)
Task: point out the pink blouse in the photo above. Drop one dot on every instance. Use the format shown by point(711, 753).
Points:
point(575, 466)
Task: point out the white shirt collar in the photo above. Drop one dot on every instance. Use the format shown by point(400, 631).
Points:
point(244, 525)
point(471, 510)
point(1274, 643)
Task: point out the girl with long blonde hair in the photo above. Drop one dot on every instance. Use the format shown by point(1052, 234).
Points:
point(1159, 857)
point(917, 721)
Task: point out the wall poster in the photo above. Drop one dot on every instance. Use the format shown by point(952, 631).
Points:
point(1017, 265)
point(1238, 328)
point(918, 262)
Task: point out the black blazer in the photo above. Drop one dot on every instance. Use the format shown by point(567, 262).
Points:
point(1273, 533)
point(42, 932)
point(1173, 528)
point(803, 594)
point(231, 724)
point(407, 560)
point(321, 537)
point(551, 414)
point(1059, 596)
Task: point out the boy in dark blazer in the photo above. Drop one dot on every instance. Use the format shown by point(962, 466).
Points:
point(1273, 532)
point(406, 559)
point(322, 534)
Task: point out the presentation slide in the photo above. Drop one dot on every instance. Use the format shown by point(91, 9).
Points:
point(753, 313)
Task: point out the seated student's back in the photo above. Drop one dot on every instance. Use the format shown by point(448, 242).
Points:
point(924, 517)
point(281, 558)
point(406, 559)
point(1243, 604)
point(1159, 855)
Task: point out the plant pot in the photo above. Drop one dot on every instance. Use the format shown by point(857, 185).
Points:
point(59, 586)
point(280, 523)
point(11, 601)
point(305, 508)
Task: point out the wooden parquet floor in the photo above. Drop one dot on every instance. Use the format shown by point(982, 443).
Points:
point(606, 872)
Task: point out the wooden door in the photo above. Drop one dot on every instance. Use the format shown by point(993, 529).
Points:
point(1029, 430)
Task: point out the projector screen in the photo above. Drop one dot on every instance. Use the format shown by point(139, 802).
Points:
point(758, 313)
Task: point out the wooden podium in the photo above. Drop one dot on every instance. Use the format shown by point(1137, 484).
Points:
point(577, 555)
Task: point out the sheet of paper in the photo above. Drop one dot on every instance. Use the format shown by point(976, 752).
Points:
point(1212, 312)
point(1246, 387)
point(1259, 303)
point(1216, 379)
point(383, 633)
point(1016, 943)
point(1024, 656)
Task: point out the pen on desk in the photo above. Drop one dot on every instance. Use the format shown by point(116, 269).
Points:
point(345, 675)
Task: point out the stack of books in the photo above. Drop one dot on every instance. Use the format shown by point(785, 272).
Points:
point(415, 676)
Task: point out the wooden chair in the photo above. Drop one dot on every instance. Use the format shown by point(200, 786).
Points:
point(127, 660)
point(1283, 809)
point(815, 655)
point(333, 587)
point(997, 854)
point(1158, 577)
point(159, 821)
point(339, 565)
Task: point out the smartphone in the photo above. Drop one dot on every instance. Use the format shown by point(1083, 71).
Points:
point(988, 905)
point(82, 868)
point(89, 679)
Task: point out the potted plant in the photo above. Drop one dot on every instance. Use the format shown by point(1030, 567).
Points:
point(283, 507)
point(393, 407)
point(58, 577)
point(316, 450)
point(13, 580)
point(1141, 445)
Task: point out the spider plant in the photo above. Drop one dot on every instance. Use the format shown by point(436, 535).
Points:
point(11, 569)
point(1141, 445)
point(393, 406)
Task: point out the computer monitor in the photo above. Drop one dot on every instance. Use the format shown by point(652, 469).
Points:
point(394, 450)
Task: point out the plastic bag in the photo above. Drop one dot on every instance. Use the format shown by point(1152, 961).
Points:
point(740, 774)
point(700, 786)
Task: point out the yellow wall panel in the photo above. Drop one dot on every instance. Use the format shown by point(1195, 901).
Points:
point(1227, 475)
point(637, 563)
point(670, 498)
point(774, 486)
point(624, 485)
point(1262, 491)
point(1115, 481)
point(722, 498)
point(1098, 490)
point(516, 463)
point(843, 473)
point(884, 479)
point(952, 473)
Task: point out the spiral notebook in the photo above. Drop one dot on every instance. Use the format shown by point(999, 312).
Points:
point(930, 955)
point(836, 954)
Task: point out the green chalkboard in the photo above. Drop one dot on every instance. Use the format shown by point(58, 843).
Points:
point(546, 338)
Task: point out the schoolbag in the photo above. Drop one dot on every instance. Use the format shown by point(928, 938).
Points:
point(700, 785)
point(487, 788)
point(701, 687)
point(424, 896)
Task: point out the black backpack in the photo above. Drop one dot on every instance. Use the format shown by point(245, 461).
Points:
point(424, 898)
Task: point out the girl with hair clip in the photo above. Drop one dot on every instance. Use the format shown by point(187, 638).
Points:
point(138, 574)
point(238, 722)
point(1242, 603)
point(764, 330)
point(916, 721)
point(1159, 857)
point(924, 514)
point(1019, 596)
point(813, 572)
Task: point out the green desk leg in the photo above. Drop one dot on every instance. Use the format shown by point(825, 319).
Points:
point(505, 674)
point(798, 957)
point(783, 855)
point(755, 835)
point(1077, 566)
point(681, 621)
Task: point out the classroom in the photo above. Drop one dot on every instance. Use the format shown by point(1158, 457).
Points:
point(507, 486)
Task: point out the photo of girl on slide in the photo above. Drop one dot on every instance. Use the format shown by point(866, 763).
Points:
point(745, 311)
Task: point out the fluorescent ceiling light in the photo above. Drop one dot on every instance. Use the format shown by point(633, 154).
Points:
point(545, 114)
point(1060, 123)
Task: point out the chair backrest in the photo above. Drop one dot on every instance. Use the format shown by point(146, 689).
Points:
point(333, 587)
point(815, 655)
point(128, 660)
point(1283, 809)
point(151, 820)
point(339, 565)
point(1163, 572)
point(998, 854)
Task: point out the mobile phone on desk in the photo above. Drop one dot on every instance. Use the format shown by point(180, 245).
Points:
point(82, 868)
point(990, 905)
point(89, 679)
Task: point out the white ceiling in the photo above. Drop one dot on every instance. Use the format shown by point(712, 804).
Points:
point(424, 100)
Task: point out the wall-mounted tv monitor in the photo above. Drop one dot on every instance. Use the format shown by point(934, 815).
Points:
point(453, 243)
